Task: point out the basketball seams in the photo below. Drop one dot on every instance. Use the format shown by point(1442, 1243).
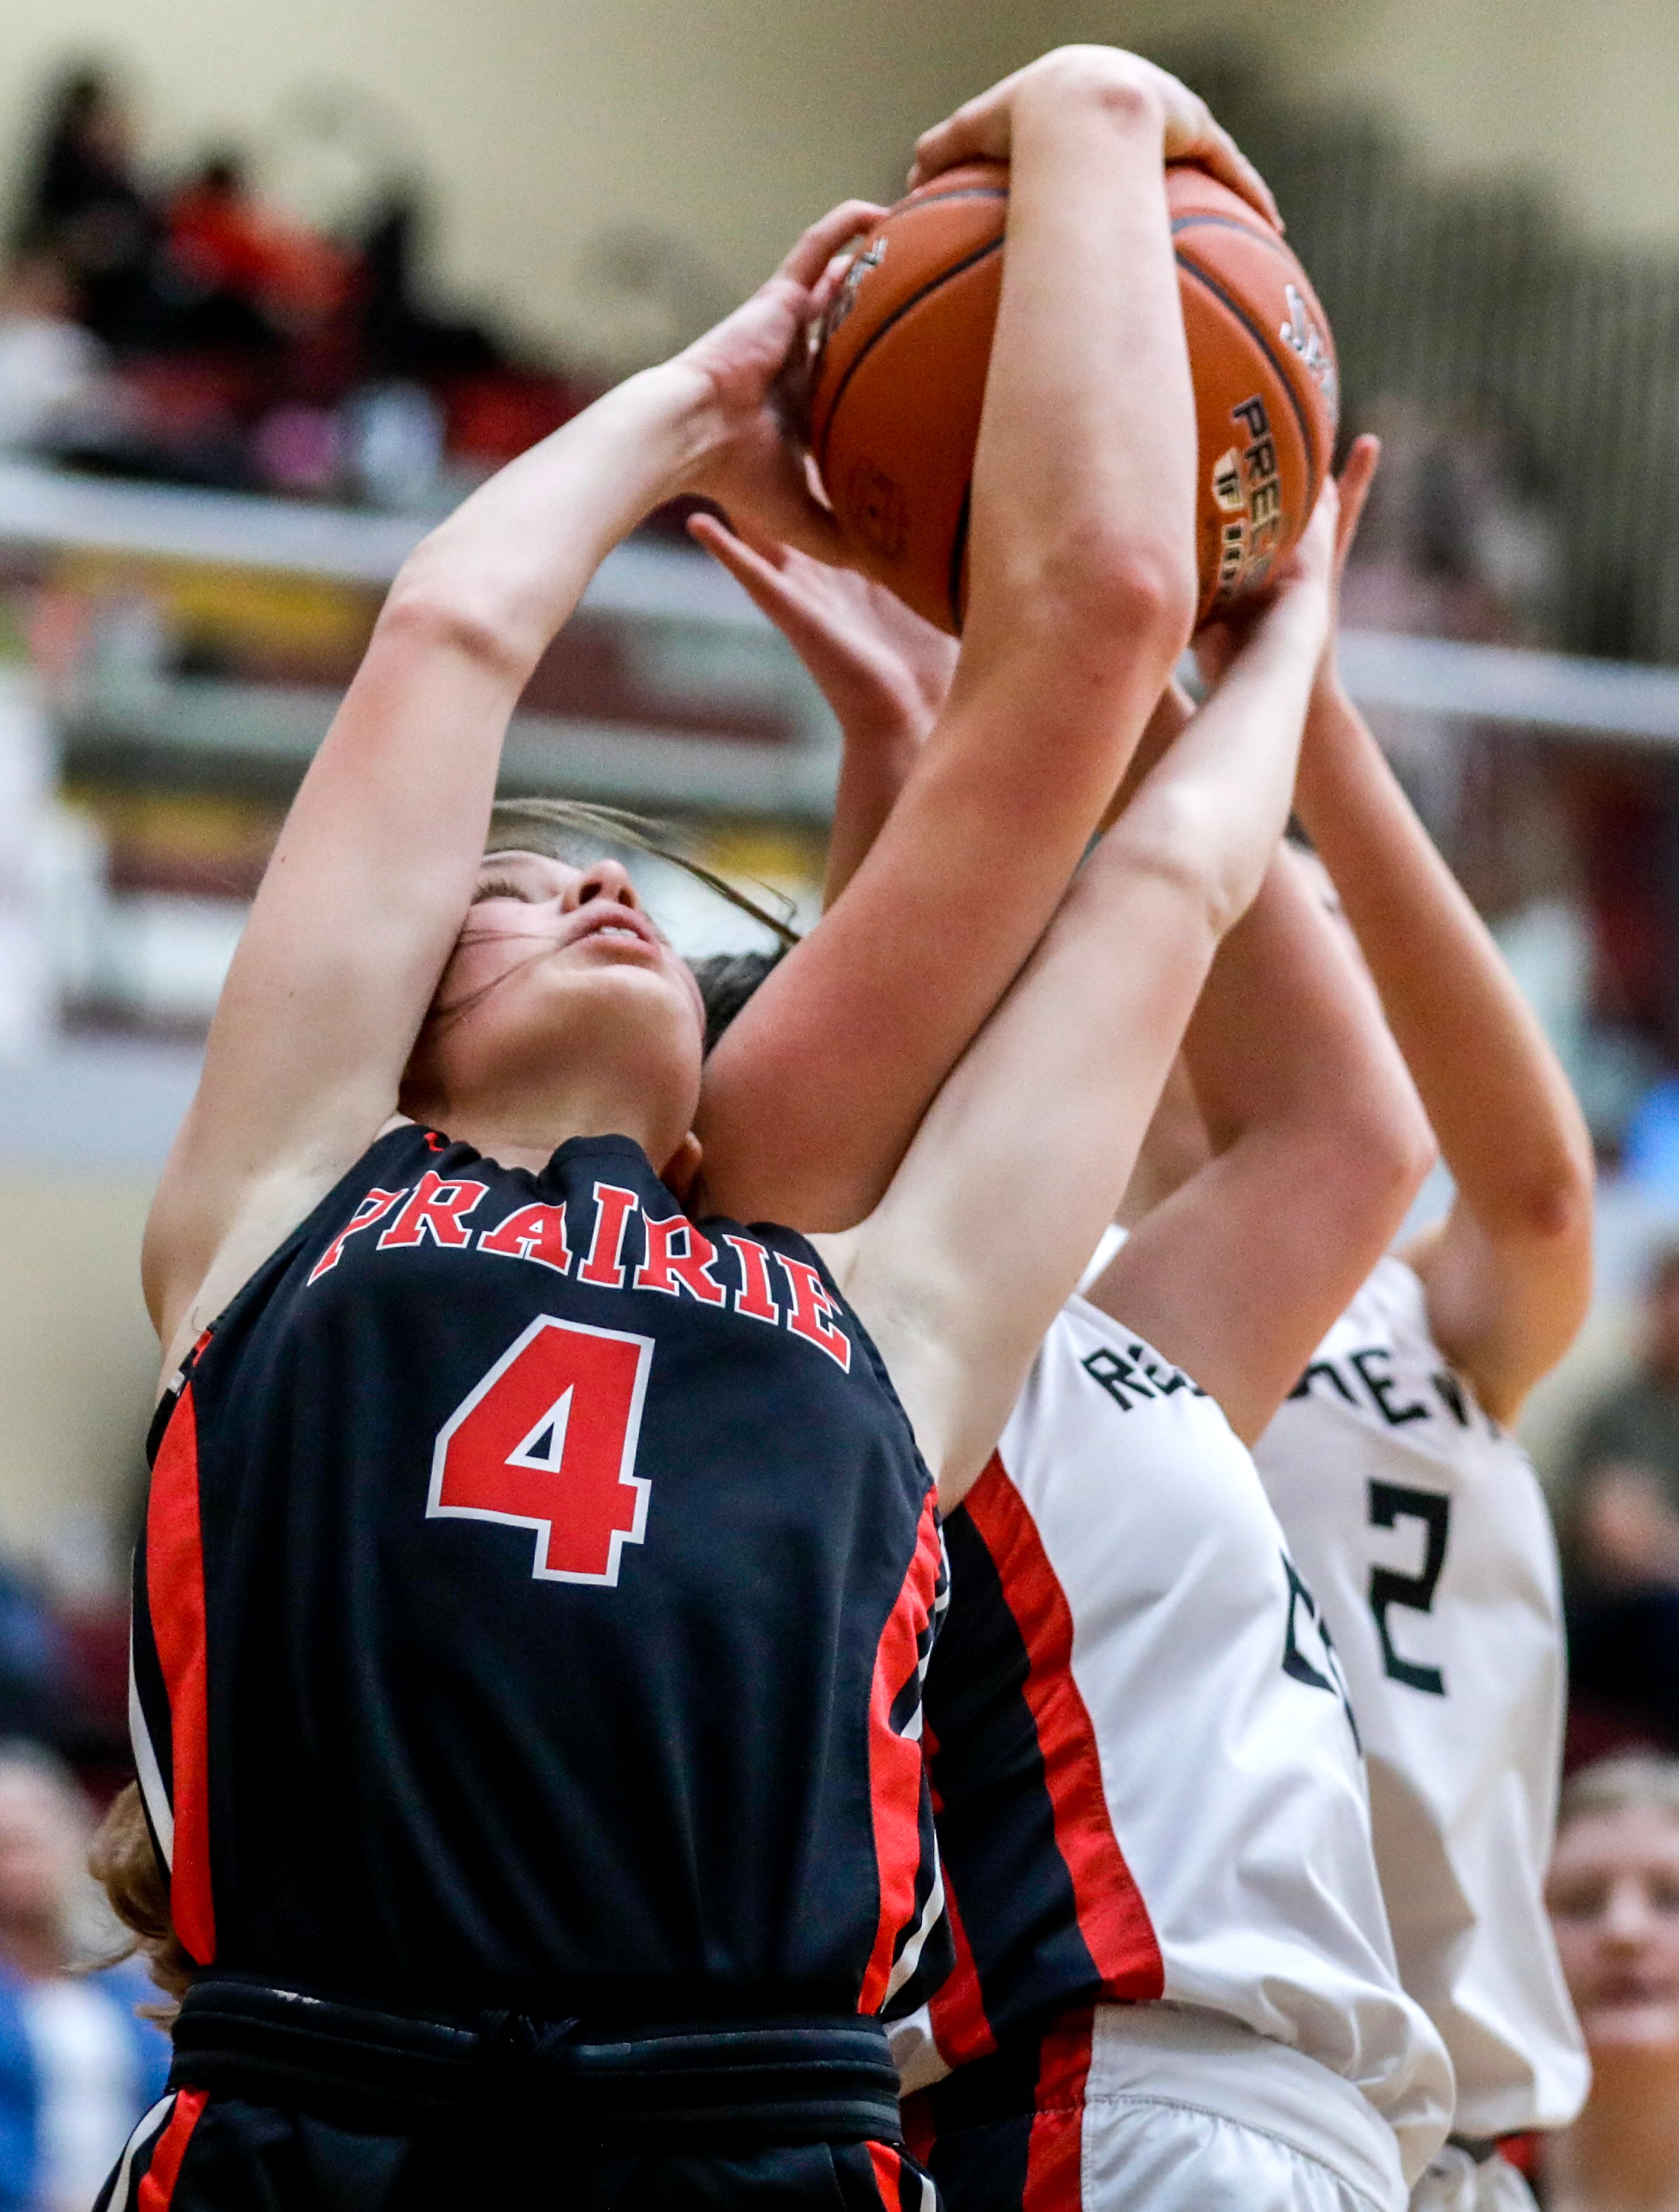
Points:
point(952, 585)
point(904, 307)
point(1267, 239)
point(1279, 367)
point(908, 429)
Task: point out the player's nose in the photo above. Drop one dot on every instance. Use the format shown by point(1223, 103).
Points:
point(603, 879)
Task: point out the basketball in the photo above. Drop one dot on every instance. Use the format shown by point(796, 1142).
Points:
point(899, 381)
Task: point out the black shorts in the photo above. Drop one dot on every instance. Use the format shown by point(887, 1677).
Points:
point(199, 2153)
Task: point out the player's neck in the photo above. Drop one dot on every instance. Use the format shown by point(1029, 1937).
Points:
point(1622, 2153)
point(525, 1128)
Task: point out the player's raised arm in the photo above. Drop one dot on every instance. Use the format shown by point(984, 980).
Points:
point(1319, 1146)
point(1081, 590)
point(1046, 1111)
point(1508, 1274)
point(377, 864)
point(883, 670)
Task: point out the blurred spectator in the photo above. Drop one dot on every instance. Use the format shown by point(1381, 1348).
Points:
point(83, 193)
point(1620, 1511)
point(52, 371)
point(77, 2067)
point(1622, 1471)
point(270, 276)
point(1614, 1893)
point(35, 1697)
point(1455, 542)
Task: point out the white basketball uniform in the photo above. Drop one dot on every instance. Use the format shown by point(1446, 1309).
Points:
point(1148, 1787)
point(1421, 1530)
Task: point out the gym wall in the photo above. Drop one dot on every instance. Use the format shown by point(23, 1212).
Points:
point(541, 122)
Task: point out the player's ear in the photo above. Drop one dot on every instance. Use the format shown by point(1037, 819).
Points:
point(683, 1166)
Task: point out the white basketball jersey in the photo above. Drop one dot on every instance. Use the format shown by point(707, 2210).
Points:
point(1205, 1807)
point(1420, 1527)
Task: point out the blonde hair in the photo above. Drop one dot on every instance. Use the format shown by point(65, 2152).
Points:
point(1637, 1781)
point(122, 1860)
point(573, 830)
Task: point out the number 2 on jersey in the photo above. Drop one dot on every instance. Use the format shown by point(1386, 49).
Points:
point(1390, 1503)
point(547, 1442)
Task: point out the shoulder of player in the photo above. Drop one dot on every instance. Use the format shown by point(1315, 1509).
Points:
point(275, 1207)
point(1121, 1362)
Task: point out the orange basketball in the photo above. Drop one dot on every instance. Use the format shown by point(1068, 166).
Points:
point(901, 379)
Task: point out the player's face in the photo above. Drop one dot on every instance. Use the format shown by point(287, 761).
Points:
point(39, 1849)
point(1614, 1897)
point(562, 962)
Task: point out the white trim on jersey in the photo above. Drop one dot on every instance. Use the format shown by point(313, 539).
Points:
point(931, 1913)
point(1421, 1530)
point(148, 1769)
point(149, 2126)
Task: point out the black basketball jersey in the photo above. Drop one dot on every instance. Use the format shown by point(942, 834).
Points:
point(534, 1601)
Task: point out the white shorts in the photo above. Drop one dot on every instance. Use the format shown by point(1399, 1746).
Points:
point(1178, 2111)
point(1454, 2182)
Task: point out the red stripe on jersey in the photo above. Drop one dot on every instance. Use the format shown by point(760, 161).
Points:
point(1113, 1917)
point(1054, 2154)
point(888, 2170)
point(157, 2184)
point(919, 2133)
point(175, 1601)
point(895, 1769)
point(960, 2029)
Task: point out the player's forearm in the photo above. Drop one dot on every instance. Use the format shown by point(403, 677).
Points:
point(1507, 1122)
point(1083, 480)
point(1214, 807)
point(873, 768)
point(1287, 1041)
point(500, 576)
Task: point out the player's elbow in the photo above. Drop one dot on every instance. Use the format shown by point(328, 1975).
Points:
point(1391, 1149)
point(1121, 597)
point(431, 614)
point(1363, 1170)
point(1551, 1205)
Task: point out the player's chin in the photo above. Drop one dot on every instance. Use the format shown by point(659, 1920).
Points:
point(1647, 2023)
point(615, 996)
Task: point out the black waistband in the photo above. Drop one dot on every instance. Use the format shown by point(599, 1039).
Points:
point(804, 2079)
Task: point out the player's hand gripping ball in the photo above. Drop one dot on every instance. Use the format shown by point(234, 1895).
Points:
point(900, 381)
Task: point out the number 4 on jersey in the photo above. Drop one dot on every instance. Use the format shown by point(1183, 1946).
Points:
point(547, 1441)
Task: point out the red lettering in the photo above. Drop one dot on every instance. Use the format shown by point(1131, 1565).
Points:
point(812, 1316)
point(674, 1265)
point(437, 1209)
point(373, 1207)
point(753, 1299)
point(605, 1262)
point(535, 1232)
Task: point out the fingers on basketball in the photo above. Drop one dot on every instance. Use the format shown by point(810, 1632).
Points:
point(898, 386)
point(1357, 476)
point(824, 239)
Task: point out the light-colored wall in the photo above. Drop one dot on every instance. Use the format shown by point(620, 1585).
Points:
point(78, 1362)
point(1585, 99)
point(728, 122)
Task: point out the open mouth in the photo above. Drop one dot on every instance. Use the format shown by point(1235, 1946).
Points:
point(619, 927)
